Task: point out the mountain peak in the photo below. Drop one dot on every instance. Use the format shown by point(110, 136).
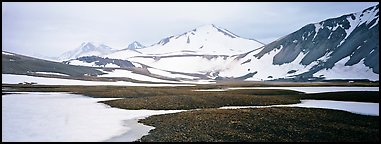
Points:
point(135, 45)
point(207, 27)
point(89, 43)
point(87, 46)
point(93, 46)
point(206, 39)
point(213, 28)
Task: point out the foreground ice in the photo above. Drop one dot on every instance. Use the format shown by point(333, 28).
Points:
point(363, 108)
point(308, 90)
point(68, 117)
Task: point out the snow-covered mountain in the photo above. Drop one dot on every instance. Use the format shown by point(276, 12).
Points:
point(86, 49)
point(207, 39)
point(346, 47)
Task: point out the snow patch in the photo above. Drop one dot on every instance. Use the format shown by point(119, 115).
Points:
point(168, 74)
point(374, 23)
point(341, 71)
point(111, 65)
point(82, 63)
point(317, 28)
point(337, 25)
point(6, 53)
point(52, 73)
point(137, 65)
point(330, 35)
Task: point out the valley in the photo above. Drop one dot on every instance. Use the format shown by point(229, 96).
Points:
point(319, 83)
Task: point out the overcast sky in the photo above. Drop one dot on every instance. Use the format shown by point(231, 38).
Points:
point(52, 28)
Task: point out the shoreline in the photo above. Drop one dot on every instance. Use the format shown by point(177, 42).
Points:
point(135, 131)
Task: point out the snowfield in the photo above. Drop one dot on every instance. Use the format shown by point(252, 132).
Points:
point(37, 117)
